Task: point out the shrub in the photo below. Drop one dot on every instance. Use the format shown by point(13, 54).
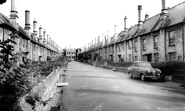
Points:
point(14, 81)
point(168, 67)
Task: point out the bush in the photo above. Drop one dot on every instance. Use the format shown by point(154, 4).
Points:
point(14, 81)
point(168, 67)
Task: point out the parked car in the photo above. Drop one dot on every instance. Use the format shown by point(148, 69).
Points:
point(143, 70)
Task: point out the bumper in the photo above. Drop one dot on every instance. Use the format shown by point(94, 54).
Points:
point(153, 77)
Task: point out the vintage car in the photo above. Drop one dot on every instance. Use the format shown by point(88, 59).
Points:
point(143, 70)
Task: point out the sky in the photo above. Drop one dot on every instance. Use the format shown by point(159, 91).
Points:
point(75, 23)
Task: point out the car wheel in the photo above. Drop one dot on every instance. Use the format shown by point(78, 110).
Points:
point(143, 77)
point(130, 74)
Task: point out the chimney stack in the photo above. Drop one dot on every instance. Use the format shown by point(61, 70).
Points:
point(164, 11)
point(13, 14)
point(44, 35)
point(146, 16)
point(35, 27)
point(47, 39)
point(27, 22)
point(139, 14)
point(40, 32)
point(125, 25)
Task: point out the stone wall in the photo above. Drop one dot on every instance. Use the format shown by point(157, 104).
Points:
point(47, 91)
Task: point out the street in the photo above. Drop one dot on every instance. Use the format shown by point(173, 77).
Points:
point(96, 89)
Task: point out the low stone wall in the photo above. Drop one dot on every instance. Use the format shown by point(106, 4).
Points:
point(47, 91)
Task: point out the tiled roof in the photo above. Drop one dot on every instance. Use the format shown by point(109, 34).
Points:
point(22, 31)
point(132, 31)
point(148, 25)
point(120, 36)
point(106, 43)
point(112, 39)
point(175, 16)
point(6, 21)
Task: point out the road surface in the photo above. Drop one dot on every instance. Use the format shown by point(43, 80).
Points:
point(96, 89)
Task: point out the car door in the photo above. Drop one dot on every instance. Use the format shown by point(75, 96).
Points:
point(136, 70)
point(132, 69)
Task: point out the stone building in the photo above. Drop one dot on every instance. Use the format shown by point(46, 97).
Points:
point(36, 44)
point(157, 38)
point(71, 53)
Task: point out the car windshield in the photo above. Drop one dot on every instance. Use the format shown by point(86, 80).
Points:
point(144, 64)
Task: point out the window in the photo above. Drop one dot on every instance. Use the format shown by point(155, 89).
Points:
point(135, 58)
point(171, 38)
point(129, 57)
point(156, 57)
point(27, 44)
point(135, 46)
point(144, 44)
point(129, 45)
point(1, 34)
point(172, 56)
point(119, 47)
point(156, 42)
point(23, 41)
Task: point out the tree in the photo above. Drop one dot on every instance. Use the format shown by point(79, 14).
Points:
point(2, 1)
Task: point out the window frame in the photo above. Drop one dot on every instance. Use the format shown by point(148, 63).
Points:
point(156, 43)
point(143, 44)
point(171, 39)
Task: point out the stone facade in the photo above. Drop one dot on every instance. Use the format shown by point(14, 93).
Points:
point(159, 38)
point(26, 42)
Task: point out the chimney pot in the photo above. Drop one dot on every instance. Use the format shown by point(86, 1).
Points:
point(164, 11)
point(27, 20)
point(40, 31)
point(13, 14)
point(34, 26)
point(146, 16)
point(125, 25)
point(139, 14)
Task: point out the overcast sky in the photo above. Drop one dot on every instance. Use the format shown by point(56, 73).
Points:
point(76, 23)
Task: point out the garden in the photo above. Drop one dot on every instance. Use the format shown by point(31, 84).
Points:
point(18, 77)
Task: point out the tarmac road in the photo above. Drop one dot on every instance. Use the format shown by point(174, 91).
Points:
point(96, 89)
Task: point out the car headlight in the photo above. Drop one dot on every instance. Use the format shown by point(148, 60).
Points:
point(148, 71)
point(158, 70)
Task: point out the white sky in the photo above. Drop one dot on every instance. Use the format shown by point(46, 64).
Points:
point(76, 23)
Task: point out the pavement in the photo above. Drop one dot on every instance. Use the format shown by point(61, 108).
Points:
point(96, 89)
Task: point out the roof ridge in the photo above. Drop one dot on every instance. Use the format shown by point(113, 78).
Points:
point(177, 5)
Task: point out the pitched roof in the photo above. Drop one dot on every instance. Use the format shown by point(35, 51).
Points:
point(23, 32)
point(6, 21)
point(131, 32)
point(175, 16)
point(120, 36)
point(149, 25)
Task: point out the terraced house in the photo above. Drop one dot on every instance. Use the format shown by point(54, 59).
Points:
point(38, 46)
point(158, 38)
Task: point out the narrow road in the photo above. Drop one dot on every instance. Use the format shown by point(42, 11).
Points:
point(95, 89)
